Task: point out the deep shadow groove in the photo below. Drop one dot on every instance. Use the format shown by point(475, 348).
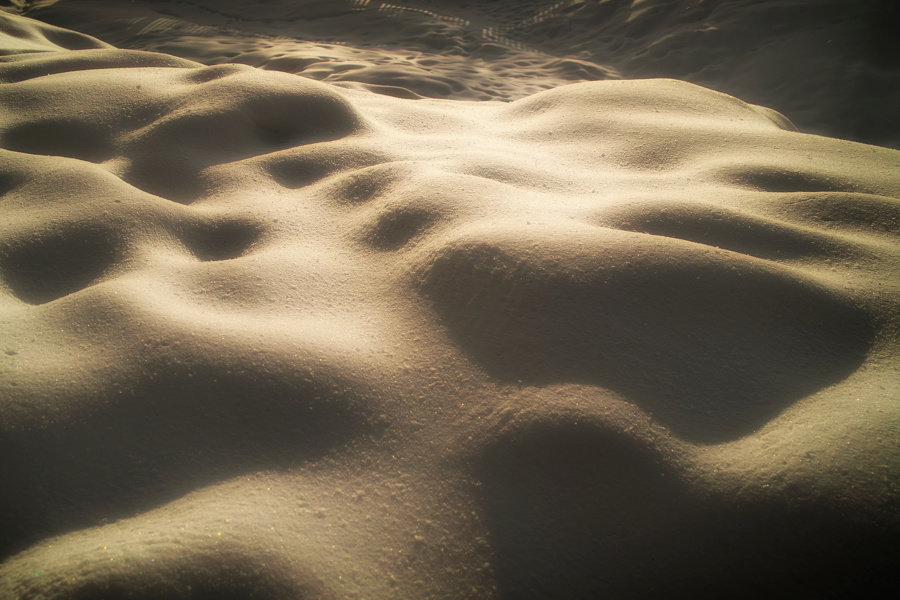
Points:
point(184, 427)
point(294, 173)
point(9, 182)
point(51, 265)
point(71, 40)
point(773, 179)
point(869, 212)
point(578, 510)
point(250, 125)
point(299, 167)
point(60, 137)
point(219, 240)
point(40, 64)
point(226, 577)
point(721, 228)
point(712, 350)
point(211, 73)
point(366, 184)
point(132, 588)
point(397, 227)
point(199, 574)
